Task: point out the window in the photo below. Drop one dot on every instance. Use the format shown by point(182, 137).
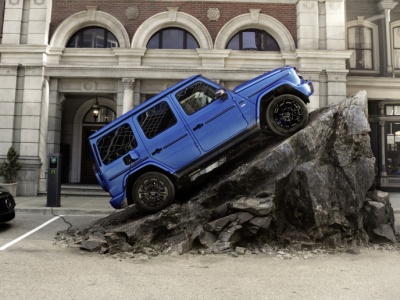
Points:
point(99, 115)
point(392, 130)
point(253, 39)
point(116, 144)
point(360, 40)
point(396, 45)
point(172, 38)
point(392, 110)
point(156, 120)
point(195, 97)
point(93, 37)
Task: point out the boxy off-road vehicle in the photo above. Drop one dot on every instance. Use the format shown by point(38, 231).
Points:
point(145, 155)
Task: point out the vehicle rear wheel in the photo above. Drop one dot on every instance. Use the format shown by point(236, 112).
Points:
point(286, 114)
point(153, 191)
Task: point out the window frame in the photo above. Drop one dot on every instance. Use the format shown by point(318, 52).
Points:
point(255, 30)
point(375, 46)
point(359, 33)
point(394, 26)
point(161, 32)
point(81, 33)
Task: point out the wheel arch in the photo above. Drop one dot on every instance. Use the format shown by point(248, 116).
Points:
point(130, 180)
point(266, 98)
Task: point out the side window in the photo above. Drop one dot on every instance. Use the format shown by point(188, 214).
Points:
point(360, 40)
point(116, 144)
point(156, 120)
point(195, 97)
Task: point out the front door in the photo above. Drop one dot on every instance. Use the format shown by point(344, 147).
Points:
point(87, 173)
point(213, 121)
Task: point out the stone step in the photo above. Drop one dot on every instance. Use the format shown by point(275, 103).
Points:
point(83, 190)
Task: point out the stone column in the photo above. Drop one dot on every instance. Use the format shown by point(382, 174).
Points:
point(12, 22)
point(336, 86)
point(386, 6)
point(307, 24)
point(127, 103)
point(44, 121)
point(30, 115)
point(136, 95)
point(383, 172)
point(335, 25)
point(39, 22)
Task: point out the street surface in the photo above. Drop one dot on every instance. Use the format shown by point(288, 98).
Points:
point(34, 267)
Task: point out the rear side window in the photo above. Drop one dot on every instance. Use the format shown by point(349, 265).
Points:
point(116, 144)
point(157, 119)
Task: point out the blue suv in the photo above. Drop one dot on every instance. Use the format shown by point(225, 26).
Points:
point(145, 155)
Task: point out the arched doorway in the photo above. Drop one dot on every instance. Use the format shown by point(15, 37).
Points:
point(95, 118)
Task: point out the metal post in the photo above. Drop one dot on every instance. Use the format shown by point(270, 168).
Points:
point(54, 180)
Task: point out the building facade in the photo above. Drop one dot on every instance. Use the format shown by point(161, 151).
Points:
point(68, 67)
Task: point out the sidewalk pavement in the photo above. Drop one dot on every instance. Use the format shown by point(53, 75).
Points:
point(99, 205)
point(69, 205)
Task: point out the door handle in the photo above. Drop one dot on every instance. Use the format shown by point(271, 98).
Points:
point(158, 150)
point(128, 159)
point(198, 126)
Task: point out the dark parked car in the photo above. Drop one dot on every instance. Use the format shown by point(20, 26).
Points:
point(7, 205)
point(165, 143)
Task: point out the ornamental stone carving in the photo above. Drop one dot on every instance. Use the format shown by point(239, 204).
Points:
point(255, 14)
point(91, 12)
point(13, 2)
point(88, 85)
point(39, 2)
point(132, 13)
point(128, 83)
point(173, 11)
point(213, 14)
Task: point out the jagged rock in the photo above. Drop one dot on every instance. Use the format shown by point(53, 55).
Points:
point(378, 196)
point(240, 250)
point(262, 222)
point(255, 206)
point(219, 224)
point(307, 189)
point(113, 238)
point(243, 217)
point(118, 248)
point(91, 246)
point(232, 234)
point(383, 234)
point(375, 214)
point(208, 239)
point(221, 247)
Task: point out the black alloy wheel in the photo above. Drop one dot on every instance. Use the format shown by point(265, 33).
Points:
point(286, 114)
point(153, 191)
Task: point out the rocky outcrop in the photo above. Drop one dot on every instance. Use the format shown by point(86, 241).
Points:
point(313, 188)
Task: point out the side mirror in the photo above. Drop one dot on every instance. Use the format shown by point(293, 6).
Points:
point(220, 93)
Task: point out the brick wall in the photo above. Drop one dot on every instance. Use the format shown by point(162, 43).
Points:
point(285, 13)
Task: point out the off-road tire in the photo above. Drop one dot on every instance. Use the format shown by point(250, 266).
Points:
point(286, 114)
point(153, 191)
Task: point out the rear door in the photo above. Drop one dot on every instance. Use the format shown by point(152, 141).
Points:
point(119, 149)
point(212, 121)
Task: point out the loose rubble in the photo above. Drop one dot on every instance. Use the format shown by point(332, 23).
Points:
point(310, 194)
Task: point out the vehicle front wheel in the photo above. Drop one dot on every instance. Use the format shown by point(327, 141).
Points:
point(153, 191)
point(286, 114)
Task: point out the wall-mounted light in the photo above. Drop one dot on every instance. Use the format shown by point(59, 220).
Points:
point(96, 109)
